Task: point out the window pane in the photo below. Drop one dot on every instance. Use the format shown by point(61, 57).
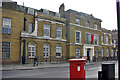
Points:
point(30, 27)
point(107, 52)
point(58, 50)
point(87, 24)
point(78, 21)
point(31, 49)
point(95, 26)
point(96, 39)
point(6, 28)
point(87, 38)
point(102, 52)
point(77, 52)
point(77, 37)
point(96, 53)
point(46, 30)
point(106, 39)
point(59, 32)
point(46, 51)
point(101, 39)
point(5, 49)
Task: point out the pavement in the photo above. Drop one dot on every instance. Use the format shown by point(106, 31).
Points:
point(11, 67)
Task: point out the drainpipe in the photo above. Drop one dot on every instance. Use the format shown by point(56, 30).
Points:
point(24, 23)
point(23, 56)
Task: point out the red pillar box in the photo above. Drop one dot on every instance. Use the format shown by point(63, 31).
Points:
point(77, 69)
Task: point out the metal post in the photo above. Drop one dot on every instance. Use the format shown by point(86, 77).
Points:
point(118, 25)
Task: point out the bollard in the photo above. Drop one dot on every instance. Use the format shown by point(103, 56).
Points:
point(77, 69)
point(100, 75)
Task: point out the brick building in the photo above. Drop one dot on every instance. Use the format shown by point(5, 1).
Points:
point(51, 36)
point(28, 33)
point(85, 37)
point(114, 36)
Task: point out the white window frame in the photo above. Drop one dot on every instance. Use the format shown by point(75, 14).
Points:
point(112, 52)
point(107, 52)
point(77, 21)
point(31, 51)
point(102, 40)
point(89, 38)
point(46, 46)
point(107, 39)
point(45, 11)
point(95, 26)
point(31, 11)
point(79, 36)
point(59, 31)
point(96, 53)
point(87, 24)
point(102, 51)
point(77, 52)
point(6, 25)
point(57, 14)
point(30, 31)
point(97, 39)
point(46, 26)
point(59, 47)
point(116, 54)
point(5, 51)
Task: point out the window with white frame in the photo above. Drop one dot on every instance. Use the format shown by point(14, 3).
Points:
point(96, 53)
point(30, 11)
point(112, 52)
point(95, 26)
point(30, 28)
point(5, 49)
point(107, 52)
point(31, 50)
point(77, 52)
point(59, 32)
point(115, 54)
point(46, 51)
point(87, 24)
point(106, 39)
point(45, 11)
point(46, 30)
point(6, 26)
point(77, 21)
point(58, 51)
point(87, 38)
point(114, 41)
point(77, 36)
point(102, 39)
point(57, 14)
point(102, 53)
point(95, 39)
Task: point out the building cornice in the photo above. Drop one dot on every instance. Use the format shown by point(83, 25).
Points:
point(84, 27)
point(53, 22)
point(45, 38)
point(83, 44)
point(89, 28)
point(107, 44)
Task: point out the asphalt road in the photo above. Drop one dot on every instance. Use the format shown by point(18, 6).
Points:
point(62, 72)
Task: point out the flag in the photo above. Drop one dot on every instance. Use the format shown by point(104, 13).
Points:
point(92, 39)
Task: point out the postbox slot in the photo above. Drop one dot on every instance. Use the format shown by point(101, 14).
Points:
point(78, 64)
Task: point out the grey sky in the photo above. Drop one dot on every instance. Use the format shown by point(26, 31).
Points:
point(102, 9)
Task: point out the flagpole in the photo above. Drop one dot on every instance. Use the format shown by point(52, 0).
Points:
point(118, 25)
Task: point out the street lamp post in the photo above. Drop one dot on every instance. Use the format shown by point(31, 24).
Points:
point(118, 25)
